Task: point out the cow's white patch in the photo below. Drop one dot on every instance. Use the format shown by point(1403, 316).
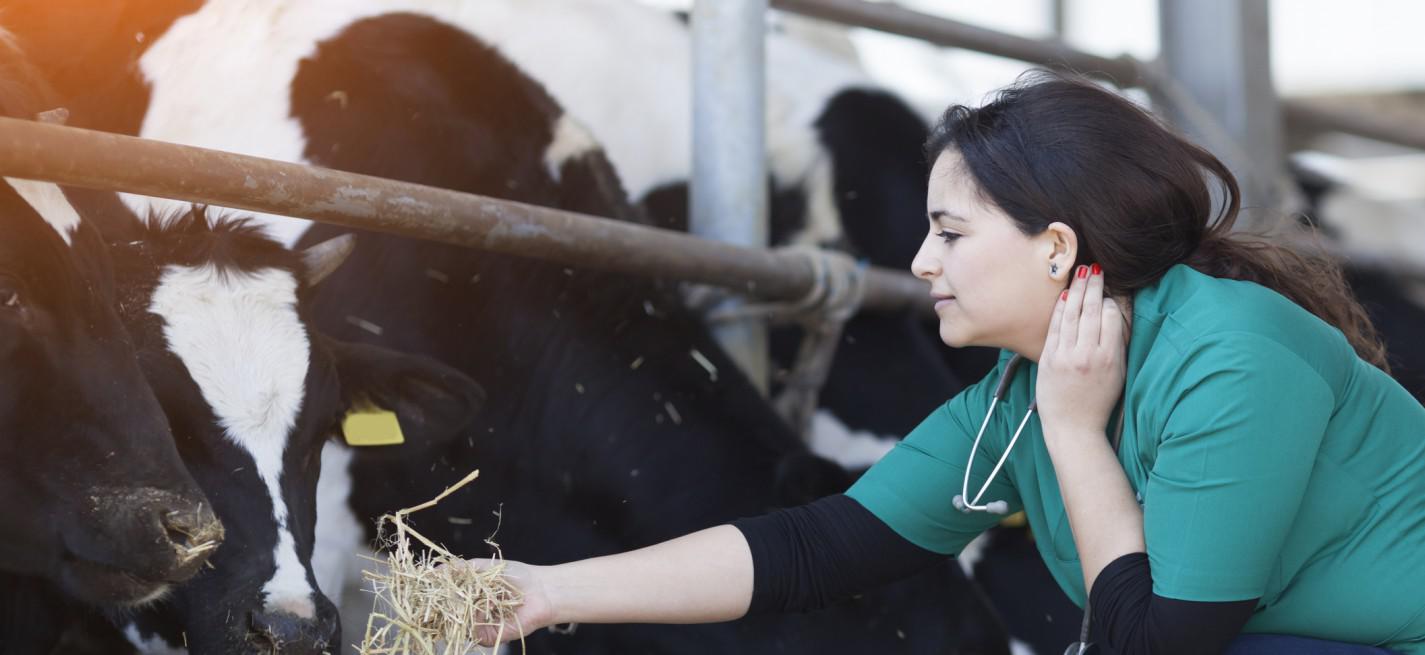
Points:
point(852, 449)
point(823, 217)
point(340, 551)
point(49, 202)
point(571, 141)
point(972, 553)
point(154, 645)
point(239, 336)
point(1017, 647)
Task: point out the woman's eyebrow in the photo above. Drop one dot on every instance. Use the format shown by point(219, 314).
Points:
point(941, 213)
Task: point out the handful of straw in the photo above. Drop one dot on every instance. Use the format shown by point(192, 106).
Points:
point(434, 602)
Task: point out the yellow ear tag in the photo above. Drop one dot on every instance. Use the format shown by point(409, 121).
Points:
point(372, 427)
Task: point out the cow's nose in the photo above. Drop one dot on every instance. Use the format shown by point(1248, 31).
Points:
point(195, 533)
point(289, 634)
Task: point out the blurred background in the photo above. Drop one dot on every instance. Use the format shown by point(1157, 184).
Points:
point(1242, 64)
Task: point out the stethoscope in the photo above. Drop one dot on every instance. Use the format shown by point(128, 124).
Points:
point(1001, 507)
point(996, 506)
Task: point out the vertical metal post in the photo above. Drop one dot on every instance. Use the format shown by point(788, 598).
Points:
point(1219, 51)
point(729, 185)
point(1059, 19)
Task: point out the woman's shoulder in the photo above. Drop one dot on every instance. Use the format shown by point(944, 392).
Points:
point(1196, 319)
point(1195, 309)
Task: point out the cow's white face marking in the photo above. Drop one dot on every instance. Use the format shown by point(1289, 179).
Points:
point(49, 202)
point(240, 338)
point(571, 141)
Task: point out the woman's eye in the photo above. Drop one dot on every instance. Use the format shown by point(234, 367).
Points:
point(947, 235)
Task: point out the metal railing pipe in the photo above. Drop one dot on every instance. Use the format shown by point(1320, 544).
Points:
point(100, 160)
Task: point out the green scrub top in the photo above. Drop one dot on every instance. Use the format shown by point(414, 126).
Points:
point(1271, 462)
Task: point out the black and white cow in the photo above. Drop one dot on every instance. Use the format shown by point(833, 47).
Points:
point(253, 393)
point(846, 171)
point(613, 419)
point(99, 509)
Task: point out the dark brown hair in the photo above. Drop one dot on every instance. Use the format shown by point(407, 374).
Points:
point(1052, 147)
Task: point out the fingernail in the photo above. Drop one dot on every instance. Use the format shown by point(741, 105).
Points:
point(1064, 296)
point(1097, 270)
point(1083, 272)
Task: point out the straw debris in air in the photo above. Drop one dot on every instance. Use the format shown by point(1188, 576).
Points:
point(433, 603)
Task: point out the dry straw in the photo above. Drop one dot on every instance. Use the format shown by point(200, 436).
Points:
point(433, 602)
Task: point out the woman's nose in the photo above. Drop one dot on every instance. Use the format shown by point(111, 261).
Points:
point(924, 266)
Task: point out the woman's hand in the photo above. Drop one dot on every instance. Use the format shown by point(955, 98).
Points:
point(534, 613)
point(1081, 369)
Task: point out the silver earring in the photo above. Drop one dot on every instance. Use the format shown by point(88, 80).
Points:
point(1053, 269)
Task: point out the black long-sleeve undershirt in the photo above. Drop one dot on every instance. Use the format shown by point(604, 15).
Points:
point(806, 557)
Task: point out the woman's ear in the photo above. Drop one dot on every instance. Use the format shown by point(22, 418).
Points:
point(1060, 247)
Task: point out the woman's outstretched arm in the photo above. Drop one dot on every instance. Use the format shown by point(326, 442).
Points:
point(702, 577)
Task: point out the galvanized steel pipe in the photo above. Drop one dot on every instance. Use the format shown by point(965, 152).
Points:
point(886, 17)
point(728, 195)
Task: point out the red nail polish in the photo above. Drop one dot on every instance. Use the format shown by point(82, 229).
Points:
point(1097, 270)
point(1064, 296)
point(1083, 272)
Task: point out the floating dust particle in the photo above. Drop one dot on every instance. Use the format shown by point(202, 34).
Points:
point(705, 363)
point(365, 325)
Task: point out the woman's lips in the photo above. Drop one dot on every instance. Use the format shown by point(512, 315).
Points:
point(943, 302)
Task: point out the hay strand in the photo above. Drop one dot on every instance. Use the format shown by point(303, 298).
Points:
point(433, 603)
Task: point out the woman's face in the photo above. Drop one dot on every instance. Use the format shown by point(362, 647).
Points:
point(992, 284)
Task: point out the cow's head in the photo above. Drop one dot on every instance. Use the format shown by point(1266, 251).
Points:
point(253, 392)
point(98, 501)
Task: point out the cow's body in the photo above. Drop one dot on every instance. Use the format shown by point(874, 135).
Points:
point(101, 510)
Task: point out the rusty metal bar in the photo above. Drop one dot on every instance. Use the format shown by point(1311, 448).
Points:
point(100, 160)
point(1308, 116)
point(1123, 70)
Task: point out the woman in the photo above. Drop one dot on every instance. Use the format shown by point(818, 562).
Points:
point(1198, 426)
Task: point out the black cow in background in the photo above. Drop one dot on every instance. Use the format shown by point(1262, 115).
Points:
point(100, 511)
point(845, 165)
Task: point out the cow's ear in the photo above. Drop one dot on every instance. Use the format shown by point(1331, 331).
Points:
point(432, 401)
